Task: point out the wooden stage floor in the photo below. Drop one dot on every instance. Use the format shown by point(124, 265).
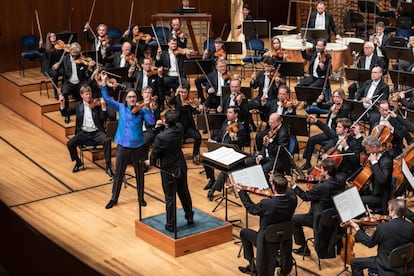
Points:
point(38, 185)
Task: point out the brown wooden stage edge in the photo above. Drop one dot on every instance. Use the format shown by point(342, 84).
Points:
point(190, 239)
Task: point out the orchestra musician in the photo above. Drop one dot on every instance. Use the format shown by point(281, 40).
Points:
point(218, 53)
point(167, 152)
point(380, 40)
point(102, 43)
point(341, 141)
point(276, 50)
point(322, 20)
point(268, 80)
point(186, 108)
point(72, 79)
point(217, 79)
point(89, 126)
point(337, 110)
point(177, 33)
point(319, 63)
point(129, 137)
point(320, 197)
point(274, 142)
point(371, 89)
point(51, 55)
point(235, 98)
point(377, 191)
point(152, 78)
point(387, 236)
point(137, 39)
point(277, 209)
point(172, 64)
point(231, 132)
point(368, 61)
point(124, 59)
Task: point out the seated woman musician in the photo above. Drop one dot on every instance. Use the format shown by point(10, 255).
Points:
point(137, 39)
point(218, 53)
point(276, 50)
point(335, 107)
point(53, 51)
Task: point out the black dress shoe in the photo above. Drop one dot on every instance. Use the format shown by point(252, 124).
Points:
point(305, 166)
point(143, 203)
point(169, 228)
point(109, 172)
point(111, 204)
point(210, 195)
point(246, 269)
point(302, 251)
point(209, 184)
point(77, 167)
point(67, 119)
point(190, 221)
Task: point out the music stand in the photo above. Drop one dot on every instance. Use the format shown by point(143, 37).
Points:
point(233, 48)
point(92, 54)
point(256, 28)
point(357, 74)
point(403, 78)
point(355, 47)
point(65, 36)
point(215, 120)
point(368, 7)
point(183, 11)
point(313, 34)
point(407, 9)
point(307, 94)
point(191, 67)
point(121, 76)
point(399, 53)
point(290, 69)
point(147, 30)
point(296, 125)
point(356, 108)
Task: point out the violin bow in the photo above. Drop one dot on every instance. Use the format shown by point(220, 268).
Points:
point(254, 66)
point(222, 30)
point(90, 14)
point(366, 110)
point(163, 31)
point(156, 36)
point(277, 157)
point(130, 15)
point(208, 36)
point(53, 83)
point(307, 24)
point(204, 73)
point(38, 25)
point(206, 121)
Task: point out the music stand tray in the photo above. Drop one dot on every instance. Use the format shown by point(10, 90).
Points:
point(256, 28)
point(215, 120)
point(399, 53)
point(121, 74)
point(356, 108)
point(233, 47)
point(183, 11)
point(368, 7)
point(313, 34)
point(147, 30)
point(296, 125)
point(307, 94)
point(355, 47)
point(403, 78)
point(66, 35)
point(247, 91)
point(290, 69)
point(191, 67)
point(357, 74)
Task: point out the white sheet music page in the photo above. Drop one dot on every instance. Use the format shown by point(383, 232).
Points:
point(349, 204)
point(224, 155)
point(407, 173)
point(251, 177)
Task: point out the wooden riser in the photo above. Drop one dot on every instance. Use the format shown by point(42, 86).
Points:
point(54, 125)
point(185, 245)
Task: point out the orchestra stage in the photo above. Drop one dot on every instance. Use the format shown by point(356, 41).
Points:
point(54, 222)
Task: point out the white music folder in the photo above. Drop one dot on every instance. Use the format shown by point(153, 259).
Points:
point(349, 204)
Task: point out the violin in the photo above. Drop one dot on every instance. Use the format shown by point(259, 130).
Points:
point(263, 192)
point(60, 45)
point(182, 51)
point(233, 128)
point(112, 82)
point(279, 53)
point(336, 108)
point(220, 54)
point(141, 36)
point(272, 133)
point(274, 74)
point(323, 57)
point(83, 60)
point(105, 39)
point(152, 73)
point(131, 59)
point(190, 102)
point(151, 104)
point(288, 104)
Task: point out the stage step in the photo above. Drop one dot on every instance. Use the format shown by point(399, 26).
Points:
point(54, 124)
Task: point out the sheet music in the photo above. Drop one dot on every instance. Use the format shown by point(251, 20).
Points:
point(224, 155)
point(251, 176)
point(349, 204)
point(407, 173)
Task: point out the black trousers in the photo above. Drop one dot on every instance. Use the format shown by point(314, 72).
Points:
point(359, 264)
point(195, 134)
point(199, 82)
point(183, 195)
point(82, 136)
point(70, 89)
point(125, 156)
point(310, 145)
point(298, 222)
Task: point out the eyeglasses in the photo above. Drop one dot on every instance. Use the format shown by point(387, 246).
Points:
point(131, 97)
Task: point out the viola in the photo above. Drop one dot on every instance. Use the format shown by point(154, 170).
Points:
point(151, 104)
point(190, 102)
point(220, 54)
point(264, 192)
point(336, 108)
point(274, 74)
point(272, 133)
point(279, 53)
point(152, 73)
point(288, 104)
point(95, 103)
point(233, 128)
